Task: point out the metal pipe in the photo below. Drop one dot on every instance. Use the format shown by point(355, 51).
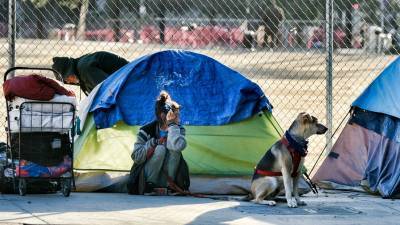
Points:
point(329, 72)
point(11, 34)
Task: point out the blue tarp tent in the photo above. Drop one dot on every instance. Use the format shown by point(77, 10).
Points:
point(367, 152)
point(228, 121)
point(210, 92)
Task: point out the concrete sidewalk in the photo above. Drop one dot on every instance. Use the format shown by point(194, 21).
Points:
point(102, 208)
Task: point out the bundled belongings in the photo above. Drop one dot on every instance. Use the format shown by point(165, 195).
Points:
point(34, 87)
point(18, 101)
point(30, 169)
point(41, 118)
point(53, 145)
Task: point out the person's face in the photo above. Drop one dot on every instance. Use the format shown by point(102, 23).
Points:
point(163, 117)
point(71, 79)
point(176, 112)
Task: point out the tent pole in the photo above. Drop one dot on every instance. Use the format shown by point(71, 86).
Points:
point(329, 71)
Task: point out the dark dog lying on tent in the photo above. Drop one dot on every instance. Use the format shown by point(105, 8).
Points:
point(280, 167)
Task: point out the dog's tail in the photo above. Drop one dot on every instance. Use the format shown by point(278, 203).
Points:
point(247, 198)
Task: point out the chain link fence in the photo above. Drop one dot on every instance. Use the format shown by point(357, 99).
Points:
point(281, 45)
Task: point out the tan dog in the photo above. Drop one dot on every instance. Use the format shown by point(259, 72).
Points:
point(281, 164)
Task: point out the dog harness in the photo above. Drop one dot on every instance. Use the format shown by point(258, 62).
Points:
point(296, 151)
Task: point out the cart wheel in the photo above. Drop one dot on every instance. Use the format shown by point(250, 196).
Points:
point(66, 187)
point(22, 187)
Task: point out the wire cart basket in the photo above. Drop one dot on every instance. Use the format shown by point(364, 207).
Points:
point(40, 141)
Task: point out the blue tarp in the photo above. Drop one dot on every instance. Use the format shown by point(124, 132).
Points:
point(210, 93)
point(383, 94)
point(383, 165)
point(385, 125)
point(383, 169)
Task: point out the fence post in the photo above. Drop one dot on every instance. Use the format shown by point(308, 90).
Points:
point(329, 71)
point(11, 33)
point(382, 13)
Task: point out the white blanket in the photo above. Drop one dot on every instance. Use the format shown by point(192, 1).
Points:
point(16, 103)
point(40, 122)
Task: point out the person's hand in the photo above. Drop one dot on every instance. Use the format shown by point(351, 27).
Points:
point(173, 117)
point(162, 140)
point(170, 116)
point(159, 141)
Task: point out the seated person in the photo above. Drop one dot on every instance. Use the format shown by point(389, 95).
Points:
point(88, 70)
point(157, 151)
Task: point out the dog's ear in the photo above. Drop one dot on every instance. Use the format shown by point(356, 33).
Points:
point(314, 119)
point(306, 118)
point(301, 116)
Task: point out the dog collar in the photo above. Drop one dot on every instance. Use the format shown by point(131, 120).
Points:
point(300, 148)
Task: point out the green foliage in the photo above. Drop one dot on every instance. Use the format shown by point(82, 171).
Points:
point(68, 3)
point(38, 3)
point(72, 4)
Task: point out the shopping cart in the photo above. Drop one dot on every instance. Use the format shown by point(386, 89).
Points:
point(40, 140)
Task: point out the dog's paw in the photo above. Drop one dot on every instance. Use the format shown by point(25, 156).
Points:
point(292, 203)
point(269, 202)
point(301, 203)
point(265, 202)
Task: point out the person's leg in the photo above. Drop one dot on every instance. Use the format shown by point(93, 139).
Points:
point(153, 167)
point(173, 163)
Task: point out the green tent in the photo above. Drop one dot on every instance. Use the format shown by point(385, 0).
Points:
point(228, 120)
point(226, 153)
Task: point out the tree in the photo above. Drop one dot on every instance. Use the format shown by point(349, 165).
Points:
point(39, 18)
point(114, 8)
point(82, 19)
point(72, 4)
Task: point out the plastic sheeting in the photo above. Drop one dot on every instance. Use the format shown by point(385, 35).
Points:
point(213, 185)
point(210, 93)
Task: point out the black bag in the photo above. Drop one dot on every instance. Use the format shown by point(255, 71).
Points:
point(182, 178)
point(136, 181)
point(43, 148)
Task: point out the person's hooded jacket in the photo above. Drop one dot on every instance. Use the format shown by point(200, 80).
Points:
point(90, 69)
